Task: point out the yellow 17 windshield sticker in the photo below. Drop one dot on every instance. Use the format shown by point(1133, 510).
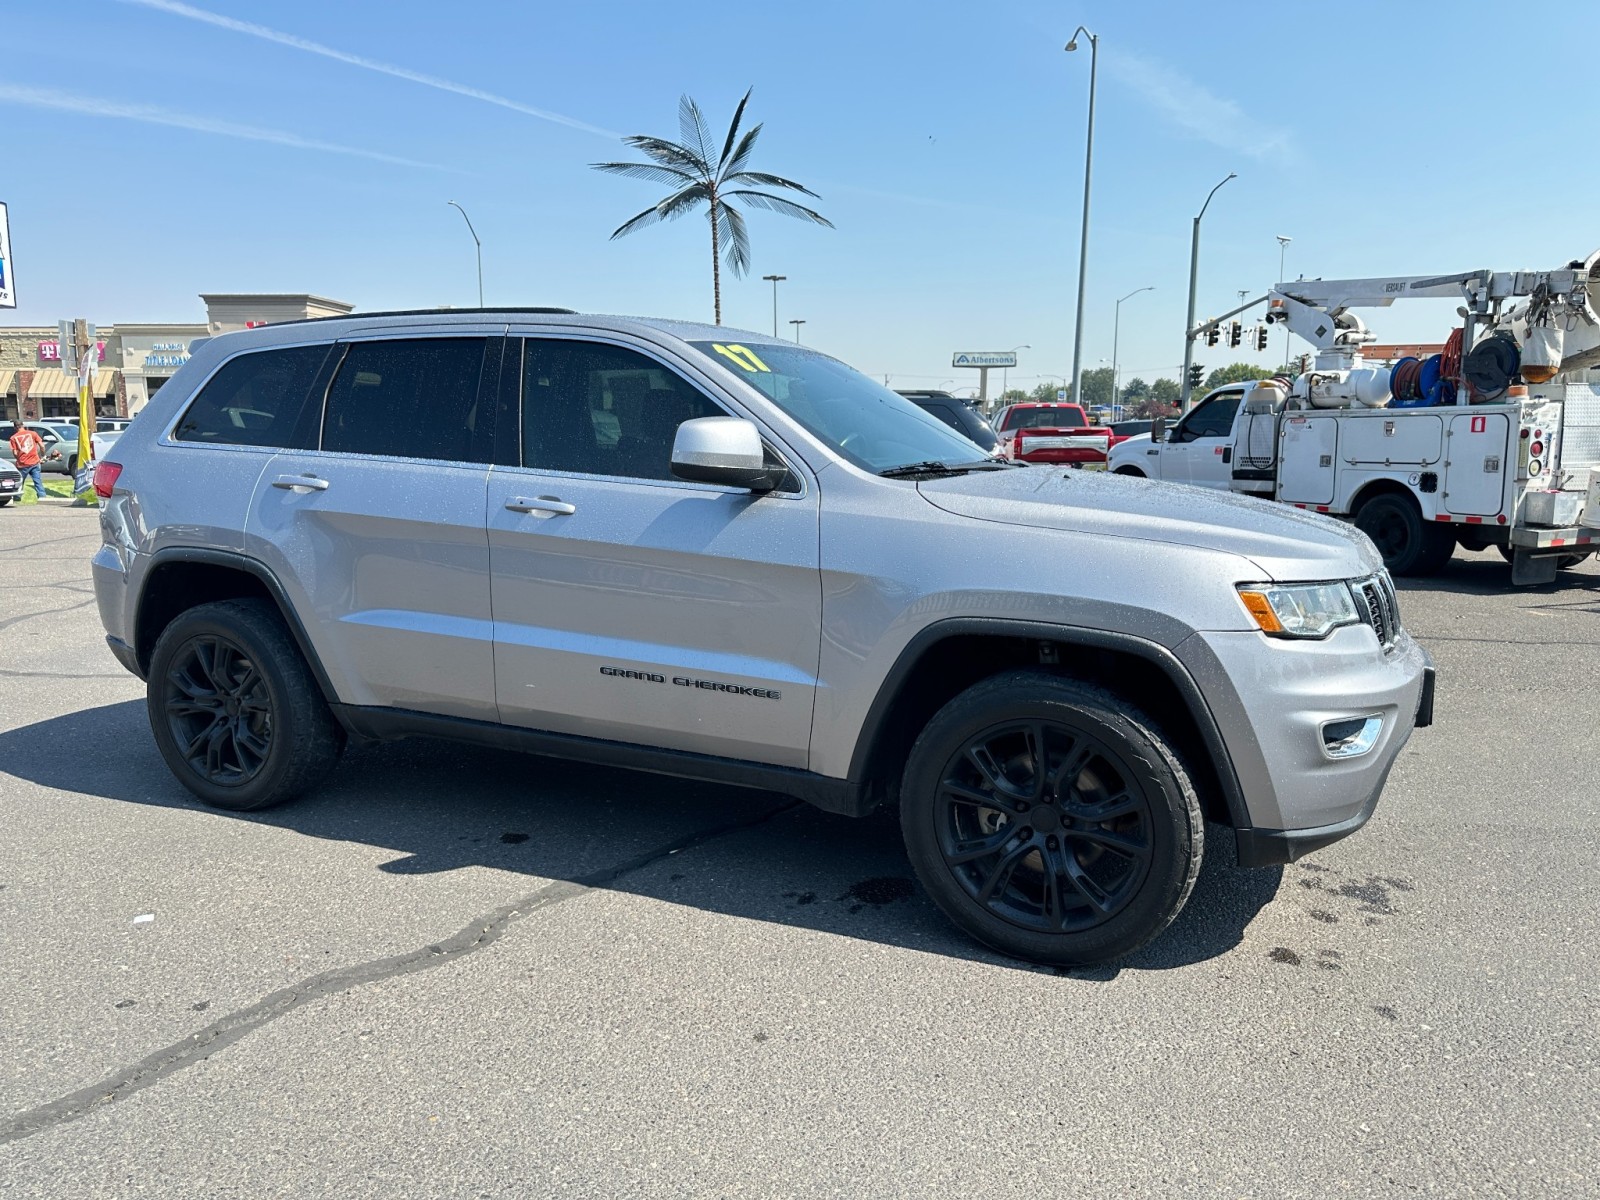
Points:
point(741, 356)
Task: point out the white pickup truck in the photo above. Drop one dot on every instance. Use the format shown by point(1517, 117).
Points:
point(1417, 481)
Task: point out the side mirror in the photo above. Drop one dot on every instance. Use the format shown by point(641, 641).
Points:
point(723, 450)
point(1158, 430)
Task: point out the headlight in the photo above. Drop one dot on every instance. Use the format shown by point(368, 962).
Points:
point(1300, 610)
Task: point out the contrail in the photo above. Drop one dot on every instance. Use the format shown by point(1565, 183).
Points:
point(150, 115)
point(177, 9)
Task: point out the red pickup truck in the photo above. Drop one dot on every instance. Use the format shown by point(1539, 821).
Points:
point(1051, 433)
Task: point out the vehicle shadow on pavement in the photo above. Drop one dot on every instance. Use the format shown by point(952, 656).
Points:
point(738, 852)
point(1487, 574)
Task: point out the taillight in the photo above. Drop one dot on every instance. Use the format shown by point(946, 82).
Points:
point(105, 478)
point(1536, 449)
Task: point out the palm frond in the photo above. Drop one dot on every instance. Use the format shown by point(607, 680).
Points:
point(732, 165)
point(693, 129)
point(735, 238)
point(733, 129)
point(670, 154)
point(778, 204)
point(650, 171)
point(672, 207)
point(762, 179)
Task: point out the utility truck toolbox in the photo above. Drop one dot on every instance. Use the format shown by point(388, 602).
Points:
point(700, 552)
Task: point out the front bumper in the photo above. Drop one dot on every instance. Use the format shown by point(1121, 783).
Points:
point(1274, 702)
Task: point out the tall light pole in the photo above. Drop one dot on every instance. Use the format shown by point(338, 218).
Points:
point(796, 322)
point(476, 243)
point(1283, 246)
point(776, 280)
point(1194, 274)
point(1116, 330)
point(1083, 248)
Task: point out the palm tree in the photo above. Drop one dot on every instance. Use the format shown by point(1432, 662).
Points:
point(715, 183)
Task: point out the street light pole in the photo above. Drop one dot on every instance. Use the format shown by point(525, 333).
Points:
point(1116, 331)
point(476, 243)
point(776, 280)
point(1194, 274)
point(1005, 372)
point(796, 323)
point(1083, 247)
point(1283, 246)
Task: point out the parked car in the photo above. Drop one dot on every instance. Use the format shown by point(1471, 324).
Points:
point(762, 569)
point(957, 414)
point(111, 424)
point(10, 483)
point(60, 446)
point(102, 440)
point(1041, 432)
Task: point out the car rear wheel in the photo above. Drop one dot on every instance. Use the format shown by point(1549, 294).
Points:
point(235, 710)
point(1409, 545)
point(1051, 819)
point(1134, 471)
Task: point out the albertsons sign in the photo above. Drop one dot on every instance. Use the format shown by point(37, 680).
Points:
point(985, 358)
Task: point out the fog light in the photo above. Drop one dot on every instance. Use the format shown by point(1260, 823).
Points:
point(1351, 737)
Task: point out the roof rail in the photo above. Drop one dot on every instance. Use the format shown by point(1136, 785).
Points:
point(427, 312)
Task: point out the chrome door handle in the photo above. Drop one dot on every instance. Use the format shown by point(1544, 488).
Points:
point(541, 504)
point(295, 482)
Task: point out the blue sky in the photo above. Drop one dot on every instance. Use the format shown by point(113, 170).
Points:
point(152, 155)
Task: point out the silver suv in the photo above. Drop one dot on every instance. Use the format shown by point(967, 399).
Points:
point(707, 553)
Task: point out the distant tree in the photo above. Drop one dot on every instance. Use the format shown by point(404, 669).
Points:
point(1096, 388)
point(1237, 373)
point(1134, 389)
point(700, 177)
point(1163, 399)
point(1044, 392)
point(1013, 396)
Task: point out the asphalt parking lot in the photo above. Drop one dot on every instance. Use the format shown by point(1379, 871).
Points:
point(461, 973)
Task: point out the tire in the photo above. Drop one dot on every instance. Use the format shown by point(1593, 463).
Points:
point(231, 670)
point(4, 500)
point(1409, 545)
point(1093, 870)
point(72, 465)
point(1133, 471)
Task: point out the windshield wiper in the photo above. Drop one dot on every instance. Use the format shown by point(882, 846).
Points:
point(943, 468)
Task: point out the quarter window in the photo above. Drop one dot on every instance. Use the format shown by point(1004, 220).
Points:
point(602, 410)
point(408, 398)
point(256, 399)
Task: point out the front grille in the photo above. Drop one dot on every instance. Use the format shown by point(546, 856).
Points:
point(1379, 607)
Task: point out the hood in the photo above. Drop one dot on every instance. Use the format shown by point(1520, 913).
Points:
point(1285, 543)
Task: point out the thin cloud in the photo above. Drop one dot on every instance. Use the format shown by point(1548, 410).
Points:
point(92, 106)
point(177, 9)
point(1200, 112)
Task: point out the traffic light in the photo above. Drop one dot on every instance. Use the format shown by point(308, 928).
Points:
point(1235, 334)
point(1213, 335)
point(1197, 374)
point(1261, 337)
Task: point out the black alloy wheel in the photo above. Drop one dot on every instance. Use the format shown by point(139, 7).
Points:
point(218, 711)
point(235, 710)
point(1051, 819)
point(1044, 826)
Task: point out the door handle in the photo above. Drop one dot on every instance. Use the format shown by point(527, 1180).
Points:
point(296, 482)
point(1152, 452)
point(541, 504)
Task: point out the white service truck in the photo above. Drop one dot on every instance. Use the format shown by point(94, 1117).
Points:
point(1493, 442)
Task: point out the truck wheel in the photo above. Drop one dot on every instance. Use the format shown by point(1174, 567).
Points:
point(1409, 545)
point(235, 710)
point(1134, 471)
point(1051, 819)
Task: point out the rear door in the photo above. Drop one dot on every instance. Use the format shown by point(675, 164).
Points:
point(378, 533)
point(629, 605)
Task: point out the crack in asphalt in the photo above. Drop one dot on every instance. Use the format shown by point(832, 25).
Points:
point(482, 931)
point(1483, 641)
point(71, 537)
point(46, 612)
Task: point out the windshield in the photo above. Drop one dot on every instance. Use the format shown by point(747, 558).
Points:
point(861, 420)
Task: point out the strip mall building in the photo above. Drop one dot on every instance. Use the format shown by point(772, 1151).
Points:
point(135, 359)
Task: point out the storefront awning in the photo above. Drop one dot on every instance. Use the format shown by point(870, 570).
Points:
point(7, 382)
point(54, 382)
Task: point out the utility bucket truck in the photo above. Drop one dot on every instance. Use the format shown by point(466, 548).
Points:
point(1495, 441)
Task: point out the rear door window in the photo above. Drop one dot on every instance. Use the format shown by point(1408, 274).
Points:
point(410, 398)
point(256, 399)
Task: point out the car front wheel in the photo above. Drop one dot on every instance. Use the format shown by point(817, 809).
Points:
point(235, 710)
point(1051, 819)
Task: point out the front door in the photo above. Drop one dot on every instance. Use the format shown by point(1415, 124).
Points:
point(1198, 450)
point(632, 606)
point(379, 536)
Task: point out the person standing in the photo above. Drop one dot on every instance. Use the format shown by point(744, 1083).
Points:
point(27, 447)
